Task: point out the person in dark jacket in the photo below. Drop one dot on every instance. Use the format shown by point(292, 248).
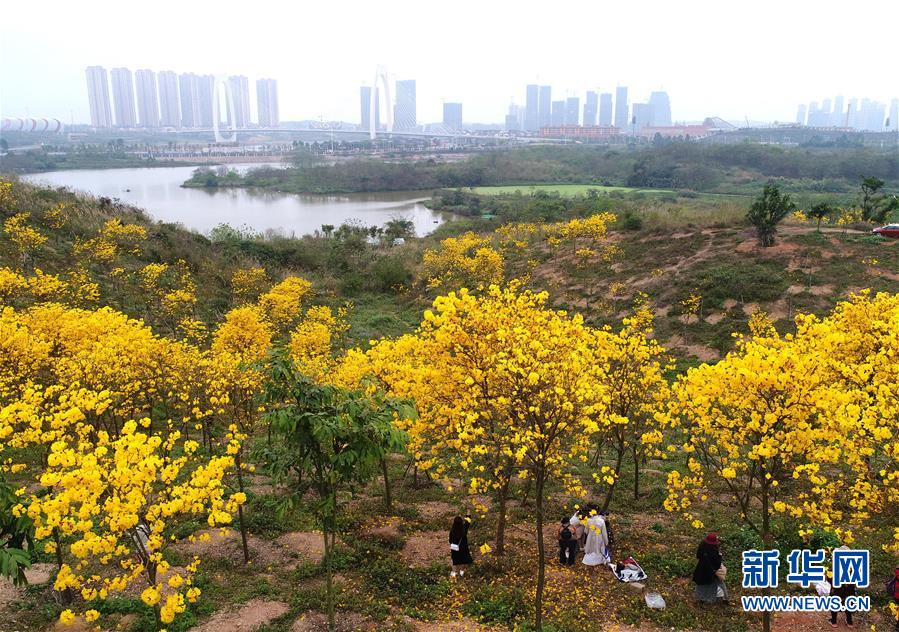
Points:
point(567, 543)
point(709, 586)
point(458, 540)
point(846, 590)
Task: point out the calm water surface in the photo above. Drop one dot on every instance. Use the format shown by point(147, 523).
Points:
point(158, 190)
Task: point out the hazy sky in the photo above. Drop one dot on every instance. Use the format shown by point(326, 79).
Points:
point(726, 58)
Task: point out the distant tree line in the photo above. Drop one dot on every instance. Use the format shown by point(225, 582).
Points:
point(675, 165)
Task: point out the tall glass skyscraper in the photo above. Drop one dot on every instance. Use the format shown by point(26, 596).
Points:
point(621, 108)
point(605, 109)
point(661, 109)
point(531, 108)
point(590, 107)
point(404, 117)
point(545, 106)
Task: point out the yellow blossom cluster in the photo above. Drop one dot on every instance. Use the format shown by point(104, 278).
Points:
point(468, 259)
point(802, 424)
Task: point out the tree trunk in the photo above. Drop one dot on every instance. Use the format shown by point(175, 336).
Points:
point(388, 497)
point(541, 554)
point(329, 581)
point(502, 499)
point(636, 472)
point(240, 520)
point(527, 492)
point(66, 595)
point(618, 460)
point(768, 540)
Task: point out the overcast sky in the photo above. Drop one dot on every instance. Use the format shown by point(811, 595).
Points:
point(726, 58)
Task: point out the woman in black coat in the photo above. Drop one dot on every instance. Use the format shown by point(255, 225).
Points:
point(709, 587)
point(458, 540)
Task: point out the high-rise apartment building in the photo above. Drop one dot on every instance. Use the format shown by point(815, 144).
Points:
point(452, 115)
point(190, 100)
point(169, 108)
point(544, 106)
point(800, 114)
point(240, 92)
point(894, 116)
point(123, 96)
point(205, 93)
point(365, 96)
point(98, 96)
point(531, 108)
point(267, 102)
point(621, 108)
point(660, 109)
point(590, 108)
point(147, 99)
point(404, 115)
point(605, 109)
point(572, 110)
point(557, 115)
point(839, 114)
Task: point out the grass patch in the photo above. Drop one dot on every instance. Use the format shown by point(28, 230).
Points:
point(565, 190)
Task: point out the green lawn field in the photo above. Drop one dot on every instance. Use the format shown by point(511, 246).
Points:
point(567, 190)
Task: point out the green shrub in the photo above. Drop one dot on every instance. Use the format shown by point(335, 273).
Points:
point(492, 604)
point(390, 273)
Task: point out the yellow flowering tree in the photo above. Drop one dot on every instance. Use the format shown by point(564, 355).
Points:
point(633, 372)
point(467, 260)
point(26, 238)
point(112, 503)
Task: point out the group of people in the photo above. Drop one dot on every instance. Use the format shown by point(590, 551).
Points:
point(587, 531)
point(710, 573)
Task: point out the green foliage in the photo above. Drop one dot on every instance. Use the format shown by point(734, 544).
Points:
point(390, 273)
point(746, 283)
point(497, 604)
point(392, 579)
point(16, 536)
point(669, 563)
point(631, 221)
point(767, 211)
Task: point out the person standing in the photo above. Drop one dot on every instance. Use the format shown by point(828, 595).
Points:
point(458, 541)
point(708, 575)
point(845, 590)
point(596, 551)
point(567, 543)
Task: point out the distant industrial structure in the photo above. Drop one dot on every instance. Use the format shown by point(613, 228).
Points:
point(152, 100)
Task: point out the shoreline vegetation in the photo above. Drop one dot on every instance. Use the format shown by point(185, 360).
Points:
point(28, 162)
point(670, 170)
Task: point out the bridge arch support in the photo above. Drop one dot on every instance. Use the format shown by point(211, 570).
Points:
point(382, 77)
point(222, 88)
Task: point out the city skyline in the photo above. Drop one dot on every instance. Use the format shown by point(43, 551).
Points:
point(717, 70)
point(183, 100)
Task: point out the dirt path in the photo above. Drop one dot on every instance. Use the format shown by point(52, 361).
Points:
point(249, 616)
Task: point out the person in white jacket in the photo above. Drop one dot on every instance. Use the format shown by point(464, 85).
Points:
point(596, 551)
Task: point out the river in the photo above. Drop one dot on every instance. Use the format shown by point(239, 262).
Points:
point(158, 191)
